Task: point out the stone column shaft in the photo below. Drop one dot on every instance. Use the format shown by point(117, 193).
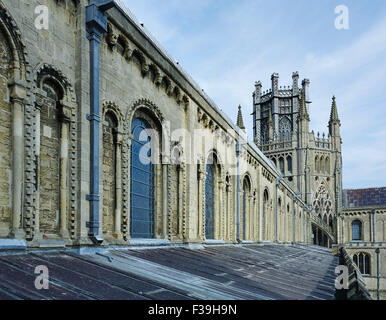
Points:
point(37, 153)
point(17, 94)
point(63, 179)
point(118, 190)
point(165, 200)
point(18, 158)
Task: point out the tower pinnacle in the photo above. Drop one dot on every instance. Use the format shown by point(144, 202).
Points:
point(240, 121)
point(303, 113)
point(334, 112)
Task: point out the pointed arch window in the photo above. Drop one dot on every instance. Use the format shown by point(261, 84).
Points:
point(281, 165)
point(317, 164)
point(328, 165)
point(322, 164)
point(285, 129)
point(289, 164)
point(362, 260)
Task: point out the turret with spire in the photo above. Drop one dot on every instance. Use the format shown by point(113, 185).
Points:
point(240, 121)
point(303, 120)
point(334, 126)
point(303, 113)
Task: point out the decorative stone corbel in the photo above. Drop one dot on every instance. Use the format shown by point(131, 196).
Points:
point(169, 89)
point(145, 69)
point(128, 52)
point(111, 37)
point(158, 79)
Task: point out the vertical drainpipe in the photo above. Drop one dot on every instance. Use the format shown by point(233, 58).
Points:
point(96, 25)
point(238, 192)
point(378, 251)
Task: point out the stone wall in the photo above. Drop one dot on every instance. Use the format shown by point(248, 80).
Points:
point(372, 239)
point(109, 179)
point(49, 168)
point(137, 79)
point(6, 143)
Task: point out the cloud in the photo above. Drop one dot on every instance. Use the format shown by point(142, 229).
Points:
point(228, 45)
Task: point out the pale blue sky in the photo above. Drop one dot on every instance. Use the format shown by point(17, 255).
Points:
point(227, 45)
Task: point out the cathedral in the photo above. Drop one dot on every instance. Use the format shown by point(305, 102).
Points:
point(310, 163)
point(107, 141)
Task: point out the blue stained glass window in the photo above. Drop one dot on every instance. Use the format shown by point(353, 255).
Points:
point(142, 187)
point(356, 230)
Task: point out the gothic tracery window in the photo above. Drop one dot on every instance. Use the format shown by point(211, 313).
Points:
point(362, 260)
point(322, 202)
point(285, 129)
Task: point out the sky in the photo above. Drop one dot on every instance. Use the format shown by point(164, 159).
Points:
point(228, 45)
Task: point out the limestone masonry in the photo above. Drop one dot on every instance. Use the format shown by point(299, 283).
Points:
point(172, 168)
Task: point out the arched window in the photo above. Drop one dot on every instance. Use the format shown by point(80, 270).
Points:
point(285, 129)
point(325, 219)
point(142, 182)
point(209, 202)
point(281, 165)
point(289, 164)
point(362, 260)
point(274, 162)
point(317, 164)
point(245, 207)
point(327, 165)
point(281, 220)
point(211, 193)
point(109, 172)
point(322, 164)
point(357, 230)
point(330, 223)
point(265, 215)
point(51, 168)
